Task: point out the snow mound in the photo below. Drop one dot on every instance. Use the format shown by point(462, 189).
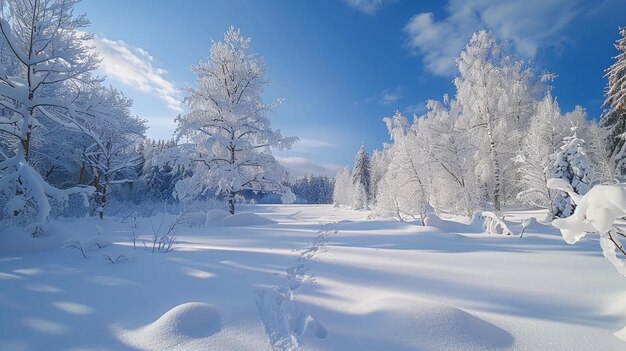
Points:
point(17, 240)
point(432, 220)
point(216, 215)
point(621, 334)
point(437, 326)
point(245, 219)
point(195, 219)
point(180, 325)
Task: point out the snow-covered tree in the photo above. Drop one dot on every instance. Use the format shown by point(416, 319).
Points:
point(314, 189)
point(598, 152)
point(572, 165)
point(361, 180)
point(614, 117)
point(159, 181)
point(343, 188)
point(115, 136)
point(445, 143)
point(379, 163)
point(53, 62)
point(544, 136)
point(496, 94)
point(226, 134)
point(403, 191)
point(48, 64)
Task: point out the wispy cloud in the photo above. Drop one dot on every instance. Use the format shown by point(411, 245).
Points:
point(370, 7)
point(389, 97)
point(527, 24)
point(417, 109)
point(136, 68)
point(313, 144)
point(301, 166)
point(385, 97)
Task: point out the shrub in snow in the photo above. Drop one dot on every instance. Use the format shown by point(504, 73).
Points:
point(573, 166)
point(163, 237)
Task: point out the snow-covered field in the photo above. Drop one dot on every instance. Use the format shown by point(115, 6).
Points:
point(308, 278)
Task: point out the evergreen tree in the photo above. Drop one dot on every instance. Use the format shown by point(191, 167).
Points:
point(614, 117)
point(361, 179)
point(572, 165)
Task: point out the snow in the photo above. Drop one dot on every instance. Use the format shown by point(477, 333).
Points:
point(216, 215)
point(245, 219)
point(317, 278)
point(180, 327)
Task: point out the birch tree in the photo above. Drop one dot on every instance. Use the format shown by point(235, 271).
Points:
point(495, 92)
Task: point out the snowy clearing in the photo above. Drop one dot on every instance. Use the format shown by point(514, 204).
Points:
point(309, 278)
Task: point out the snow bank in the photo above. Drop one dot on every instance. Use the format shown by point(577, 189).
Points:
point(181, 324)
point(15, 240)
point(245, 219)
point(195, 219)
point(432, 220)
point(430, 325)
point(216, 215)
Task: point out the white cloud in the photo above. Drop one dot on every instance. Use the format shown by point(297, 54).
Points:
point(136, 68)
point(370, 7)
point(388, 97)
point(301, 166)
point(526, 24)
point(417, 109)
point(310, 143)
point(385, 97)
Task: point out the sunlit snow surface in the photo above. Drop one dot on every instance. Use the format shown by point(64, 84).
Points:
point(310, 278)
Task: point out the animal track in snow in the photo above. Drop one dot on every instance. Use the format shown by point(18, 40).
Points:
point(284, 321)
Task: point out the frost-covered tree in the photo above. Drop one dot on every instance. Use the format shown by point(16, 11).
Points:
point(614, 117)
point(598, 152)
point(379, 163)
point(343, 188)
point(544, 136)
point(114, 138)
point(361, 180)
point(314, 189)
point(159, 181)
point(572, 165)
point(49, 62)
point(403, 191)
point(53, 62)
point(496, 94)
point(445, 143)
point(226, 135)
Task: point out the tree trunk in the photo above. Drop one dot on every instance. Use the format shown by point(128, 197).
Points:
point(231, 203)
point(496, 168)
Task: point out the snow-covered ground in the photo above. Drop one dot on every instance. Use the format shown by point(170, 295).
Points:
point(308, 278)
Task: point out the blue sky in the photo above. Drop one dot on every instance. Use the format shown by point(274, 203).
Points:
point(343, 65)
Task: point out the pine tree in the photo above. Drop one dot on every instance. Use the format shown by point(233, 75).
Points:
point(614, 117)
point(573, 165)
point(361, 179)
